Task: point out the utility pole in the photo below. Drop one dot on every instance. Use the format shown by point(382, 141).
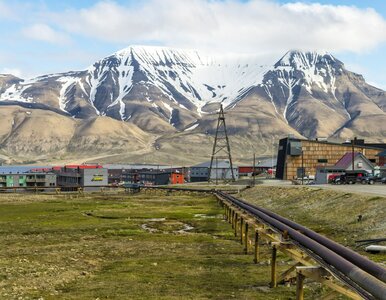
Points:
point(254, 171)
point(273, 143)
point(302, 168)
point(221, 144)
point(216, 171)
point(352, 150)
point(171, 173)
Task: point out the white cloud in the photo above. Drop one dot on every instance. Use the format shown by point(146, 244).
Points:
point(12, 71)
point(43, 32)
point(258, 26)
point(5, 11)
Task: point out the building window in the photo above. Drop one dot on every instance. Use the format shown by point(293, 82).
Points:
point(322, 160)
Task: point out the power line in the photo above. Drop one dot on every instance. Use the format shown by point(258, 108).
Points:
point(221, 145)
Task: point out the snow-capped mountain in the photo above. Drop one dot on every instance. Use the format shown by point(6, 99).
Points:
point(163, 90)
point(172, 82)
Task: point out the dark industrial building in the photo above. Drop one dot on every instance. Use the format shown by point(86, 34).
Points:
point(117, 176)
point(129, 173)
point(154, 178)
point(297, 157)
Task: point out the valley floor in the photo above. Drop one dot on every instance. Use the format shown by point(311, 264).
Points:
point(157, 246)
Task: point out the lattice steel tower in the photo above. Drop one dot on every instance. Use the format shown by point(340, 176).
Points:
point(221, 144)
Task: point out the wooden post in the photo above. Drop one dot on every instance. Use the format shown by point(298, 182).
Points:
point(241, 230)
point(246, 238)
point(256, 257)
point(273, 267)
point(299, 286)
point(233, 219)
point(236, 220)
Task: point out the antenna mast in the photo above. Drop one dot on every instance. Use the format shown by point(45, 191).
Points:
point(221, 144)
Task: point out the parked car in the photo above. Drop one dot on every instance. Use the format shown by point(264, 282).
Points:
point(368, 179)
point(378, 179)
point(352, 177)
point(332, 178)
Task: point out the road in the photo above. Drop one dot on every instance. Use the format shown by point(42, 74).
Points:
point(375, 189)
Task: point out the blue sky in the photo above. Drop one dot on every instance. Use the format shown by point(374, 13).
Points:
point(47, 36)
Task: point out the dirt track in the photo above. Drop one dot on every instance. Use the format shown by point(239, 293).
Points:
point(375, 189)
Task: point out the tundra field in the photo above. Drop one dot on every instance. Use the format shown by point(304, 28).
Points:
point(159, 246)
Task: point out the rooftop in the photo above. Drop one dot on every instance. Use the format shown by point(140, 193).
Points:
point(216, 164)
point(347, 159)
point(20, 169)
point(358, 144)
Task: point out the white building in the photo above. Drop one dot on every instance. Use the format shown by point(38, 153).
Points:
point(221, 170)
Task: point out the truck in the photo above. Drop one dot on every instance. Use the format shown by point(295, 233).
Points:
point(352, 177)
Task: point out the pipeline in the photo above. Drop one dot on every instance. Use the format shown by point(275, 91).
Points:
point(362, 262)
point(375, 287)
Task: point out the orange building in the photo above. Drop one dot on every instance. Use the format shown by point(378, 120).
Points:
point(177, 178)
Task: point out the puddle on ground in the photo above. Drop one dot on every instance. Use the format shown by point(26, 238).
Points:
point(204, 216)
point(161, 225)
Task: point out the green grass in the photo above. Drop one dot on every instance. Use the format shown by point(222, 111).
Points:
point(120, 247)
point(331, 213)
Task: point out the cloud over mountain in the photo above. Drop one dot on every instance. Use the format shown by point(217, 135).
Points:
point(252, 26)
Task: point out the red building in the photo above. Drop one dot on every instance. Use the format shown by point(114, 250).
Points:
point(245, 170)
point(264, 166)
point(177, 178)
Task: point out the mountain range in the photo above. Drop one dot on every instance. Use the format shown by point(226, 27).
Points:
point(157, 104)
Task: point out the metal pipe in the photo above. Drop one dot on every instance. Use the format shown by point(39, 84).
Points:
point(375, 287)
point(357, 259)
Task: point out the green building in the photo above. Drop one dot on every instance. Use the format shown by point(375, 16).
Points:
point(27, 180)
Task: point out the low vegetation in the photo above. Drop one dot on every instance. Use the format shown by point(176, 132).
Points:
point(341, 216)
point(156, 246)
point(124, 247)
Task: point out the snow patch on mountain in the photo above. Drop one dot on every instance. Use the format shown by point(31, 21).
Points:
point(67, 83)
point(194, 126)
point(315, 68)
point(297, 69)
point(15, 93)
point(199, 78)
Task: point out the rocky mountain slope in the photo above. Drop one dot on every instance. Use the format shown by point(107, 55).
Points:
point(159, 104)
